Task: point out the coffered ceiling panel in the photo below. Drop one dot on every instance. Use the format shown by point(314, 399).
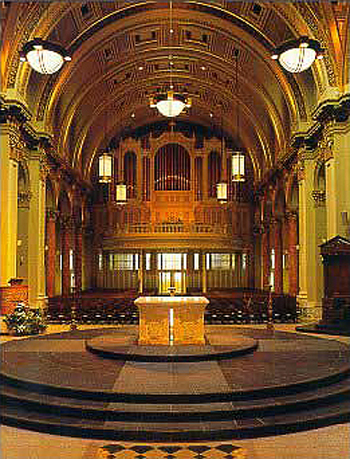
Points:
point(121, 54)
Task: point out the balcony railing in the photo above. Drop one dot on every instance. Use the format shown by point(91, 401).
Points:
point(172, 228)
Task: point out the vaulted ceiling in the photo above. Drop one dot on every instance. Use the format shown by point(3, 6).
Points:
point(121, 52)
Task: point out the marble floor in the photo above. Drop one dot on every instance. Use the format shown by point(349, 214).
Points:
point(331, 442)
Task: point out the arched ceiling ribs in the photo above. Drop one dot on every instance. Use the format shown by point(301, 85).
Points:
point(107, 54)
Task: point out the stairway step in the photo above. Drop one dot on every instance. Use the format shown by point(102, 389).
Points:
point(177, 431)
point(71, 406)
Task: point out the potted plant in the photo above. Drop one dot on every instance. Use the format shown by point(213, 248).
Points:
point(25, 321)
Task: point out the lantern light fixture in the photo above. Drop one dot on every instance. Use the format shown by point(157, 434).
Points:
point(238, 166)
point(298, 55)
point(43, 56)
point(221, 192)
point(120, 194)
point(170, 104)
point(105, 162)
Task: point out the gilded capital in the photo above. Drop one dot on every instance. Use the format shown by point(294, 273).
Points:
point(319, 196)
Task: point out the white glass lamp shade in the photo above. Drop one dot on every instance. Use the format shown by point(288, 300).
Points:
point(121, 193)
point(298, 55)
point(170, 105)
point(221, 191)
point(43, 56)
point(105, 168)
point(297, 60)
point(238, 167)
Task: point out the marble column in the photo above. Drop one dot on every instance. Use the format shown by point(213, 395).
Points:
point(65, 246)
point(265, 255)
point(277, 244)
point(292, 219)
point(78, 244)
point(204, 273)
point(51, 252)
point(205, 178)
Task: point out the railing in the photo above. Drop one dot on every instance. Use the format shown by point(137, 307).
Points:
point(173, 228)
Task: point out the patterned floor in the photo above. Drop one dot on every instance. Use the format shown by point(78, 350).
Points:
point(174, 451)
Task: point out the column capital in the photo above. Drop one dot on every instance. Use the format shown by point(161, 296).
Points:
point(66, 221)
point(291, 215)
point(52, 214)
point(24, 199)
point(274, 221)
point(319, 196)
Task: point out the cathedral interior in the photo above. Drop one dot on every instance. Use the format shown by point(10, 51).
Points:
point(242, 196)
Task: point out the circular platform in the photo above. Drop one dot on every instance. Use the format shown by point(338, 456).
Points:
point(109, 346)
point(291, 382)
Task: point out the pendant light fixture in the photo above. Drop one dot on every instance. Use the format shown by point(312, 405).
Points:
point(105, 165)
point(105, 160)
point(170, 104)
point(295, 56)
point(221, 187)
point(120, 195)
point(43, 56)
point(237, 157)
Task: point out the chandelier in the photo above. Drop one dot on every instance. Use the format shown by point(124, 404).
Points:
point(43, 56)
point(170, 104)
point(295, 56)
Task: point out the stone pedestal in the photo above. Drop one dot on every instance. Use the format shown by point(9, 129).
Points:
point(171, 320)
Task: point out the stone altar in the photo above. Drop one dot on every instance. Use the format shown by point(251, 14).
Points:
point(165, 320)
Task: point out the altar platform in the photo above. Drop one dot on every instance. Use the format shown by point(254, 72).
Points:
point(290, 382)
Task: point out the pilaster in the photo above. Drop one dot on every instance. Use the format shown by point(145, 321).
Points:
point(337, 164)
point(36, 229)
point(11, 147)
point(310, 266)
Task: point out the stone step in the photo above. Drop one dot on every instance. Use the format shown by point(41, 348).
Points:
point(63, 405)
point(177, 431)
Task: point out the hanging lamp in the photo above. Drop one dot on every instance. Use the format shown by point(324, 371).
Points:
point(105, 162)
point(221, 187)
point(237, 157)
point(238, 166)
point(44, 56)
point(120, 194)
point(298, 55)
point(170, 104)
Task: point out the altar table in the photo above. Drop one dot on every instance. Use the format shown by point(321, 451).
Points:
point(171, 320)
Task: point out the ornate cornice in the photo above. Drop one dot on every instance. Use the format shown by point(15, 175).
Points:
point(13, 108)
point(333, 109)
